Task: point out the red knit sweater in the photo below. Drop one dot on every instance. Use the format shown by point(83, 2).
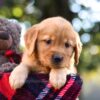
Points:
point(38, 88)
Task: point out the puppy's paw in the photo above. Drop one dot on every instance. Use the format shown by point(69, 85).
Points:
point(18, 77)
point(58, 77)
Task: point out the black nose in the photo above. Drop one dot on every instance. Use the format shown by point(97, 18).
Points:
point(56, 58)
point(4, 36)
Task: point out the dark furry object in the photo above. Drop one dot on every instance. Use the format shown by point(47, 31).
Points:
point(9, 41)
point(13, 29)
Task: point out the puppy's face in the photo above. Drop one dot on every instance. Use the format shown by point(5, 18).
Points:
point(55, 48)
point(55, 43)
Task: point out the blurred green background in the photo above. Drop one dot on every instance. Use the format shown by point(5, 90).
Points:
point(85, 18)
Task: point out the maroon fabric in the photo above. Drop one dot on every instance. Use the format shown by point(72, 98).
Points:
point(37, 87)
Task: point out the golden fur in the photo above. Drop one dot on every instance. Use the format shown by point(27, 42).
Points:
point(52, 36)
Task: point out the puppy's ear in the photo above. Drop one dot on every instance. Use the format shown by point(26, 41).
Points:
point(30, 39)
point(78, 49)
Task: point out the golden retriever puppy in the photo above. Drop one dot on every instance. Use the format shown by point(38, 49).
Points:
point(52, 47)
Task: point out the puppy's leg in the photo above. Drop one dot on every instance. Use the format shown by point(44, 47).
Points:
point(18, 76)
point(58, 77)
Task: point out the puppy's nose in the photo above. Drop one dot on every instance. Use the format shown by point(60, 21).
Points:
point(56, 58)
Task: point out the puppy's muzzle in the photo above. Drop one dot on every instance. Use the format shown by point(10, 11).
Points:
point(57, 59)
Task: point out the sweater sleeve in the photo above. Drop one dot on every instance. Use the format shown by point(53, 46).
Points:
point(5, 90)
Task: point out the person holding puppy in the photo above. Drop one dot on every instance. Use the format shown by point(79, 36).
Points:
point(46, 70)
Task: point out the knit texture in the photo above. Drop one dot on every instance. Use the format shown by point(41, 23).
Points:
point(37, 87)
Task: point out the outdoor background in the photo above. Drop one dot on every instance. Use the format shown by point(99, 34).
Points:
point(85, 18)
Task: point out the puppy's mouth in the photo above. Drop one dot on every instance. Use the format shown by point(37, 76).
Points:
point(56, 66)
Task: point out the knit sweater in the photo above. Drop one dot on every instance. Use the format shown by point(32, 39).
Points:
point(37, 87)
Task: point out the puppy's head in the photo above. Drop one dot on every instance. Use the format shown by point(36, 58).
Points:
point(54, 42)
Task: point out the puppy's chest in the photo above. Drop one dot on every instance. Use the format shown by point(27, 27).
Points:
point(40, 69)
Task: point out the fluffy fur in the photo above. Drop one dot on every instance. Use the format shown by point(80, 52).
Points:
point(9, 40)
point(53, 47)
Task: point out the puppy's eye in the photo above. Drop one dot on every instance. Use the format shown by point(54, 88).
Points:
point(48, 41)
point(67, 45)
